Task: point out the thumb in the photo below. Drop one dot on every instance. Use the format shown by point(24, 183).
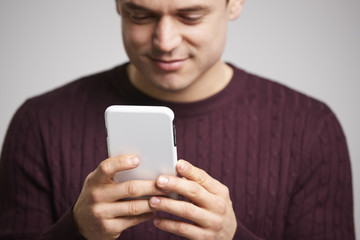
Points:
point(107, 168)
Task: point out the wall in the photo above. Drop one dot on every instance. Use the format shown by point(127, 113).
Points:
point(310, 46)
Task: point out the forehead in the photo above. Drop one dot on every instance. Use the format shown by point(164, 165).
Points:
point(169, 5)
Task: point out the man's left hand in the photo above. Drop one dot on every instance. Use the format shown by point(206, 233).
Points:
point(210, 209)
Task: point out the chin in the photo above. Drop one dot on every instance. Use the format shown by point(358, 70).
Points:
point(171, 86)
point(175, 82)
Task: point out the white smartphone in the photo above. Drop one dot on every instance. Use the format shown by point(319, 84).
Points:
point(146, 131)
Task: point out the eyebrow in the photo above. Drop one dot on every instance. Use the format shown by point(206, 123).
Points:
point(134, 6)
point(195, 8)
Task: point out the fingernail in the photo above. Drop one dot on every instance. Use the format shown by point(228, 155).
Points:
point(181, 165)
point(162, 181)
point(156, 221)
point(154, 201)
point(134, 161)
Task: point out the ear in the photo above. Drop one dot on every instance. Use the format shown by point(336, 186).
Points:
point(234, 8)
point(118, 7)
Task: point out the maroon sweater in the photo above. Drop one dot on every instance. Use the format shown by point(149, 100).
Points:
point(282, 154)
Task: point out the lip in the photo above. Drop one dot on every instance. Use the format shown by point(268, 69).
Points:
point(169, 65)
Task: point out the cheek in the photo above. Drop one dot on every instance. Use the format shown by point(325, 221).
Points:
point(136, 37)
point(218, 35)
point(210, 40)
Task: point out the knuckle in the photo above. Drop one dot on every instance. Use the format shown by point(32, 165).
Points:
point(97, 213)
point(104, 167)
point(202, 177)
point(134, 221)
point(96, 196)
point(132, 189)
point(221, 207)
point(182, 228)
point(99, 221)
point(89, 180)
point(107, 228)
point(110, 229)
point(194, 190)
point(133, 208)
point(217, 224)
point(188, 211)
point(226, 191)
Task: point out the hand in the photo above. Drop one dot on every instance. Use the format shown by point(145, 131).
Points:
point(211, 209)
point(98, 213)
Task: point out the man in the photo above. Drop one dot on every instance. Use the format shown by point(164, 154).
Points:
point(263, 161)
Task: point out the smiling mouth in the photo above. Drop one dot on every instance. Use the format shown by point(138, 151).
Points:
point(169, 65)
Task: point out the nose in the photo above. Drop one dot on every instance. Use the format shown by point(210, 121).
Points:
point(166, 35)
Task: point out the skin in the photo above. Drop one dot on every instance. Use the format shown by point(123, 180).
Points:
point(98, 213)
point(210, 209)
point(175, 50)
point(175, 47)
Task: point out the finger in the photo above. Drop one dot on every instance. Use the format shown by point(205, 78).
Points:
point(107, 168)
point(122, 209)
point(179, 228)
point(185, 210)
point(191, 190)
point(114, 227)
point(198, 175)
point(125, 190)
point(135, 220)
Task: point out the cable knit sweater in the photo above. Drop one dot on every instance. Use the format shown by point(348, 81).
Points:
point(282, 154)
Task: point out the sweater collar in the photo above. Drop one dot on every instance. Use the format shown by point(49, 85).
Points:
point(134, 96)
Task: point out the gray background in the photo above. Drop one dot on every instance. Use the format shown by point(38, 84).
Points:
point(312, 46)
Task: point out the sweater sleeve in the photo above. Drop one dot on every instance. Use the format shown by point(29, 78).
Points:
point(321, 206)
point(64, 228)
point(26, 203)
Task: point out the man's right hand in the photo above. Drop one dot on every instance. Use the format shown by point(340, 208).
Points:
point(99, 212)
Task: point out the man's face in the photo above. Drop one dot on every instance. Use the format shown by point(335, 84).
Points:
point(173, 43)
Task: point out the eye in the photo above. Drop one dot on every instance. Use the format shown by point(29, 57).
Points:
point(191, 18)
point(140, 17)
